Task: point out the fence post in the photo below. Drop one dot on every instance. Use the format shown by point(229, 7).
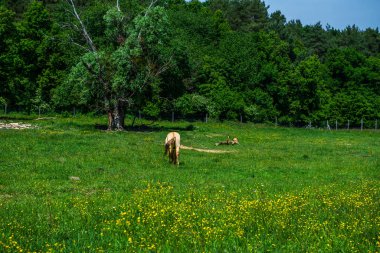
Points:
point(206, 117)
point(276, 121)
point(172, 116)
point(139, 115)
point(74, 112)
point(5, 108)
point(241, 118)
point(361, 124)
point(376, 125)
point(328, 126)
point(348, 124)
point(336, 124)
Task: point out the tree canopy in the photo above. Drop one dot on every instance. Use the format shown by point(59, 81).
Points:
point(227, 59)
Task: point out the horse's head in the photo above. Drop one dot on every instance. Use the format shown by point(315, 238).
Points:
point(172, 146)
point(172, 151)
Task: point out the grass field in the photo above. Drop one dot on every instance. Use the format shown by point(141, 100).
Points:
point(67, 186)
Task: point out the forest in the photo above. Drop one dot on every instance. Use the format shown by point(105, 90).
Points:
point(222, 59)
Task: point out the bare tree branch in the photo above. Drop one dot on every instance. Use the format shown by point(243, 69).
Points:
point(75, 27)
point(84, 30)
point(71, 13)
point(70, 26)
point(152, 3)
point(150, 6)
point(79, 45)
point(166, 66)
point(117, 5)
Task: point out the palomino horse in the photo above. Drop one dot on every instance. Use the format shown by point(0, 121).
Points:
point(172, 144)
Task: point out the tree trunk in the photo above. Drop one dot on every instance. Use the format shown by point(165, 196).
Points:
point(121, 115)
point(116, 118)
point(110, 120)
point(133, 122)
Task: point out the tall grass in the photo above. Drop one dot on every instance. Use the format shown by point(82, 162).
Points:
point(68, 186)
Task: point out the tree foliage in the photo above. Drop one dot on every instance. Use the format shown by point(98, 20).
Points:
point(226, 58)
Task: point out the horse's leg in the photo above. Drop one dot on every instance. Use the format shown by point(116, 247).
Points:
point(170, 155)
point(177, 155)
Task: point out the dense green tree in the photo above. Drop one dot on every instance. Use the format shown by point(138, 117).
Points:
point(372, 74)
point(293, 34)
point(315, 39)
point(194, 105)
point(17, 6)
point(352, 37)
point(196, 32)
point(116, 76)
point(345, 66)
point(7, 37)
point(226, 58)
point(355, 83)
point(308, 91)
point(257, 62)
point(227, 101)
point(277, 23)
point(29, 54)
point(372, 41)
point(259, 106)
point(243, 15)
point(354, 105)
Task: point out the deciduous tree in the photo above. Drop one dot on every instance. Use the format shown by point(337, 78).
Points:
point(114, 76)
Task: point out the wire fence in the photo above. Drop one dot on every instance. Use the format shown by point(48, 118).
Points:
point(349, 124)
point(361, 124)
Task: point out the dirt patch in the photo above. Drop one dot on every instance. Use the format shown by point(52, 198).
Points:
point(217, 151)
point(5, 196)
point(15, 126)
point(214, 135)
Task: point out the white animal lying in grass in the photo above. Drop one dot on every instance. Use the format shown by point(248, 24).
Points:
point(228, 142)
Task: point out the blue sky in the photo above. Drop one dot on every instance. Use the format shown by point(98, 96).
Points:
point(337, 13)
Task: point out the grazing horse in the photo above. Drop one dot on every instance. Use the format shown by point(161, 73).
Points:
point(172, 144)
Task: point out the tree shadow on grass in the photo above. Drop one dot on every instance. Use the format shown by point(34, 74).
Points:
point(82, 125)
point(13, 118)
point(149, 128)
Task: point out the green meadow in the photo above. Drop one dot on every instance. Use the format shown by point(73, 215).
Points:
point(69, 186)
